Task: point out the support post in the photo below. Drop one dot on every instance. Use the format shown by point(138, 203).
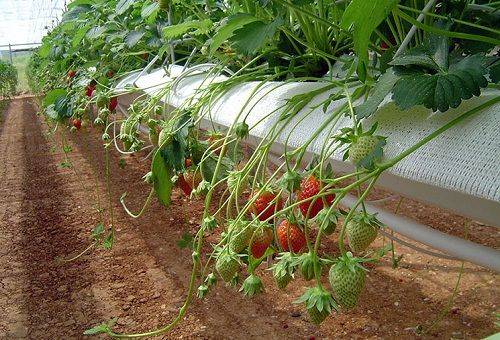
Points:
point(10, 53)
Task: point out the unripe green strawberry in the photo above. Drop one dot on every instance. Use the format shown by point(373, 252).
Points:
point(319, 303)
point(252, 286)
point(227, 266)
point(316, 316)
point(347, 278)
point(307, 262)
point(283, 269)
point(361, 231)
point(283, 281)
point(362, 147)
point(241, 233)
point(327, 221)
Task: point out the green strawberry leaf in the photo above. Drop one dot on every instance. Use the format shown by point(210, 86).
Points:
point(99, 329)
point(186, 241)
point(383, 87)
point(108, 242)
point(252, 36)
point(51, 97)
point(96, 32)
point(133, 37)
point(194, 27)
point(102, 328)
point(443, 90)
point(98, 231)
point(228, 27)
point(364, 17)
point(162, 175)
point(123, 5)
point(150, 10)
point(495, 72)
point(430, 76)
point(174, 152)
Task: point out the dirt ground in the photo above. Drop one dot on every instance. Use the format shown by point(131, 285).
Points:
point(48, 211)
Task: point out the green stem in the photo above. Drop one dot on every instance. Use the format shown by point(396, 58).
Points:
point(451, 34)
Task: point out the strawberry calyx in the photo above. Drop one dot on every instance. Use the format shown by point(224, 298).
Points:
point(369, 219)
point(291, 180)
point(283, 269)
point(307, 262)
point(252, 286)
point(327, 220)
point(319, 303)
point(350, 262)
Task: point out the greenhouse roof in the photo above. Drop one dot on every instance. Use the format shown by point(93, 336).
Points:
point(27, 21)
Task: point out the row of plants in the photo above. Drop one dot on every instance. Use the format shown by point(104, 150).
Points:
point(8, 79)
point(263, 210)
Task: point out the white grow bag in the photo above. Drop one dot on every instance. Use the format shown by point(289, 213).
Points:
point(459, 170)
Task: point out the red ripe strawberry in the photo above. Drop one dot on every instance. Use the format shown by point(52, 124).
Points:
point(290, 235)
point(188, 162)
point(261, 240)
point(310, 187)
point(113, 103)
point(71, 74)
point(193, 178)
point(77, 123)
point(90, 90)
point(184, 185)
point(264, 207)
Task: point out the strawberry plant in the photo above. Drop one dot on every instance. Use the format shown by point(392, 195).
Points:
point(8, 79)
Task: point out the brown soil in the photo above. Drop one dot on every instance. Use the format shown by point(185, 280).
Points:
point(48, 211)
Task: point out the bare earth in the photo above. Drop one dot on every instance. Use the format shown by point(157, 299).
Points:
point(48, 211)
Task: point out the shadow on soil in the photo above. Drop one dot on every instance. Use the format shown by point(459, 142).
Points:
point(54, 300)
